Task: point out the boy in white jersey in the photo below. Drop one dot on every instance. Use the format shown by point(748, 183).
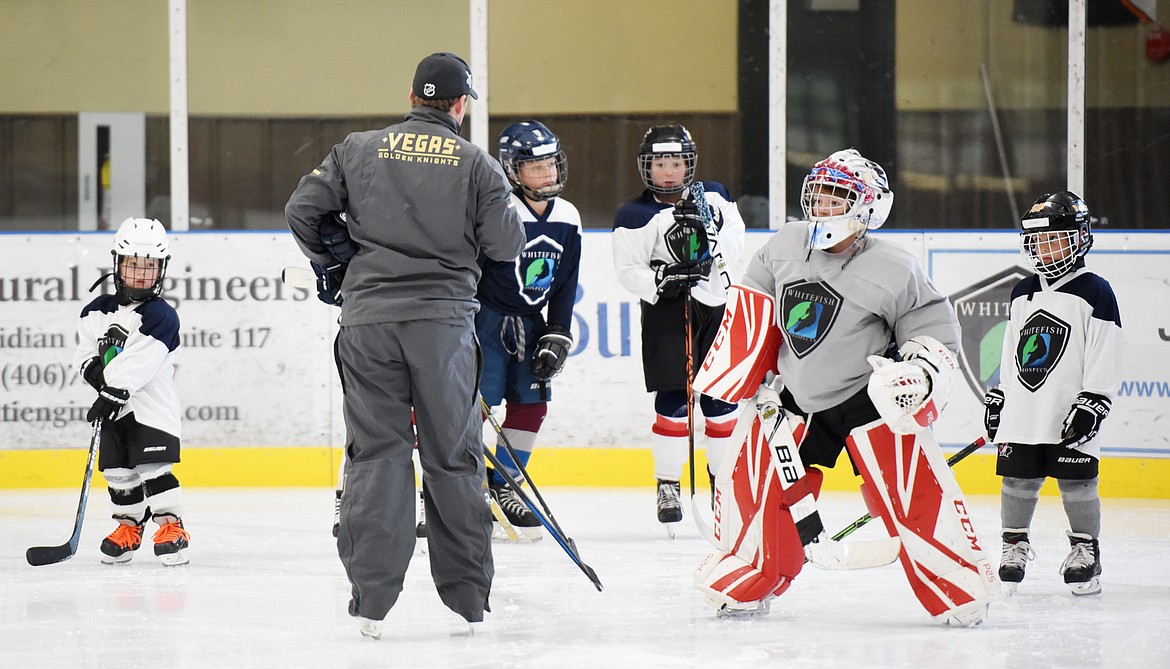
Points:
point(1061, 355)
point(126, 350)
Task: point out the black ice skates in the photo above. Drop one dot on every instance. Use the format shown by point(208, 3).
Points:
point(1082, 567)
point(1014, 559)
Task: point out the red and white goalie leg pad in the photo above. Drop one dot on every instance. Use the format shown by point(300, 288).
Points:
point(910, 487)
point(764, 514)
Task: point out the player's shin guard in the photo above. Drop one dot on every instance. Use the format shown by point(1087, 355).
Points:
point(764, 514)
point(909, 486)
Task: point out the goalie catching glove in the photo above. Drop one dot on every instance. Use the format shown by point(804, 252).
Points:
point(552, 350)
point(109, 402)
point(910, 394)
point(1085, 418)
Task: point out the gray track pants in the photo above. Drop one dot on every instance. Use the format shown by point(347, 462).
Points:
point(387, 368)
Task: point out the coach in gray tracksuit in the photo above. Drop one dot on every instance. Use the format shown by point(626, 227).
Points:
point(420, 204)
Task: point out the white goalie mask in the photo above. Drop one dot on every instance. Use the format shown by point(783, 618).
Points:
point(141, 252)
point(844, 194)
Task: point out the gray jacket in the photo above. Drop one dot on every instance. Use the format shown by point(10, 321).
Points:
point(421, 204)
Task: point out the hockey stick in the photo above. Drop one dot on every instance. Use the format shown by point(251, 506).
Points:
point(565, 542)
point(690, 353)
point(547, 519)
point(951, 461)
point(42, 555)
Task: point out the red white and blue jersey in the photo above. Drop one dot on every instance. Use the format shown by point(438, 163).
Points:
point(139, 342)
point(645, 234)
point(545, 272)
point(1063, 337)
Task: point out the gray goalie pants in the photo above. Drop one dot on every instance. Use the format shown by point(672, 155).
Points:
point(386, 369)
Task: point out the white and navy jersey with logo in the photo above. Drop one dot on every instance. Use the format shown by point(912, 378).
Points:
point(545, 272)
point(645, 233)
point(1063, 337)
point(834, 311)
point(139, 341)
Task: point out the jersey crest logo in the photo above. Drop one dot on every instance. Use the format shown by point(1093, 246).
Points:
point(686, 243)
point(1043, 340)
point(536, 267)
point(807, 313)
point(983, 310)
point(112, 342)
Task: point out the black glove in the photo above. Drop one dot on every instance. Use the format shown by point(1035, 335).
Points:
point(1084, 419)
point(335, 236)
point(92, 371)
point(109, 402)
point(687, 214)
point(552, 350)
point(329, 282)
point(992, 405)
point(676, 278)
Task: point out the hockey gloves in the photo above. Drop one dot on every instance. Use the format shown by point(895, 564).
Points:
point(109, 402)
point(552, 350)
point(92, 371)
point(1084, 420)
point(676, 278)
point(992, 406)
point(688, 215)
point(335, 236)
point(329, 282)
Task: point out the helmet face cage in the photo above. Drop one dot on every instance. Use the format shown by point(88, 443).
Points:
point(664, 142)
point(844, 194)
point(1056, 233)
point(530, 142)
point(142, 239)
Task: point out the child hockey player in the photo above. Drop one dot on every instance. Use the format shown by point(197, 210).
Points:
point(1061, 354)
point(126, 350)
point(522, 350)
point(663, 256)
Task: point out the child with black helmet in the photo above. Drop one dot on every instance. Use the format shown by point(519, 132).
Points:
point(1061, 356)
point(126, 350)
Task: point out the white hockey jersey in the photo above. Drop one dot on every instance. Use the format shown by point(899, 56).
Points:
point(1063, 337)
point(139, 341)
point(644, 230)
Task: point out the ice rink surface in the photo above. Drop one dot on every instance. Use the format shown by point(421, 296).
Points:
point(265, 589)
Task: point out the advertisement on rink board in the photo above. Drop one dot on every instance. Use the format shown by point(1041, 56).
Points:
point(255, 367)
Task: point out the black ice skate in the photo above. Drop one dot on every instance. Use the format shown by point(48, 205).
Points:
point(420, 530)
point(1082, 567)
point(1014, 559)
point(669, 506)
point(337, 513)
point(171, 541)
point(119, 546)
point(516, 512)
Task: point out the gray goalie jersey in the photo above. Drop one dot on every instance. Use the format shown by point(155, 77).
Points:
point(833, 311)
point(139, 342)
point(1062, 337)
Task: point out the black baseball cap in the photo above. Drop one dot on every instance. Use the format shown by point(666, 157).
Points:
point(442, 76)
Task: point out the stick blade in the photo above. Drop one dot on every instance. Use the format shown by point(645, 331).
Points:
point(299, 277)
point(39, 556)
point(835, 555)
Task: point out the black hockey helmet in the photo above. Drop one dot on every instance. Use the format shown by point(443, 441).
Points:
point(667, 141)
point(1056, 233)
point(528, 141)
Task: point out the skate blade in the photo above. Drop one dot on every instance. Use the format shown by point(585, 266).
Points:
point(370, 629)
point(1090, 587)
point(671, 529)
point(971, 614)
point(176, 559)
point(759, 609)
point(121, 559)
point(1010, 588)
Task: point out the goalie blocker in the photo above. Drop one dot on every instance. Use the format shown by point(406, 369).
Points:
point(766, 520)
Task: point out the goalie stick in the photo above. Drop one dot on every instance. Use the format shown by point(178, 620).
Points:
point(951, 461)
point(42, 555)
point(546, 518)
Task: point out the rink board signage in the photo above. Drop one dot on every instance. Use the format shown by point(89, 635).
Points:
point(255, 366)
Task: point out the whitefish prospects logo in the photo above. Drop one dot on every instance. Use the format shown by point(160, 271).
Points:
point(807, 313)
point(982, 310)
point(684, 242)
point(536, 267)
point(1043, 340)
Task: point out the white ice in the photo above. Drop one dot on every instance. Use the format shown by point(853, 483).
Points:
point(265, 589)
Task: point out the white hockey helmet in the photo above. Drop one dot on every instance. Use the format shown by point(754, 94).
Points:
point(853, 190)
point(140, 238)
